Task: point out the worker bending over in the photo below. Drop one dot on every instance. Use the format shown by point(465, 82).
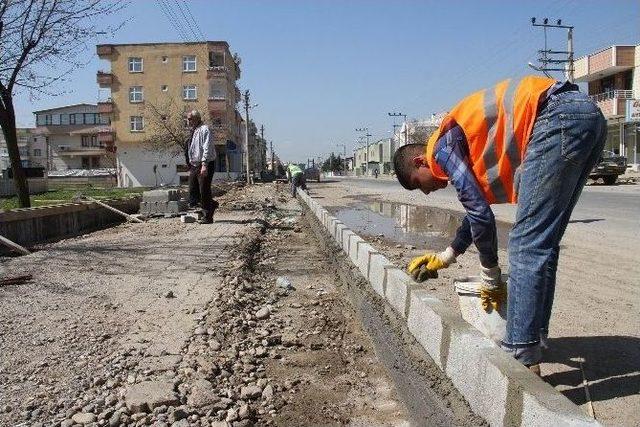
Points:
point(532, 142)
point(295, 175)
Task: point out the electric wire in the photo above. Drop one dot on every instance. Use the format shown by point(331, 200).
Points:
point(168, 14)
point(186, 5)
point(186, 20)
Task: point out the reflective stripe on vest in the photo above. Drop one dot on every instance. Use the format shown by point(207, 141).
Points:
point(497, 123)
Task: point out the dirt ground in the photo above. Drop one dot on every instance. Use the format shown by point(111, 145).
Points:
point(596, 312)
point(165, 323)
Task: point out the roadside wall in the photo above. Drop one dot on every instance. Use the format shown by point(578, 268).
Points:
point(496, 386)
point(36, 185)
point(50, 223)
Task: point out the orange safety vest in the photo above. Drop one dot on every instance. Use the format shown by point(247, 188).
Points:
point(497, 124)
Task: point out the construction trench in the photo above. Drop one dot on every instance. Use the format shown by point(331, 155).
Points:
point(258, 319)
point(165, 323)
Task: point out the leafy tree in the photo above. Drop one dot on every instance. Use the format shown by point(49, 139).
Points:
point(36, 36)
point(333, 164)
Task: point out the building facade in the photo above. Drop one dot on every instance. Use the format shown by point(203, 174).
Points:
point(149, 81)
point(613, 79)
point(378, 156)
point(67, 138)
point(32, 151)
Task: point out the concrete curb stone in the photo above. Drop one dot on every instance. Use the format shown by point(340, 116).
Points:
point(497, 387)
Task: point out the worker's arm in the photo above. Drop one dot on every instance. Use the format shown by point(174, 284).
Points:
point(479, 226)
point(205, 143)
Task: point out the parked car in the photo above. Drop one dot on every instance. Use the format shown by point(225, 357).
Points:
point(608, 167)
point(312, 173)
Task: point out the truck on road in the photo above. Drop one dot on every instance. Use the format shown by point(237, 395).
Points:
point(609, 167)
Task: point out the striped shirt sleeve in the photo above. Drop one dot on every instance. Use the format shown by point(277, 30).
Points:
point(478, 225)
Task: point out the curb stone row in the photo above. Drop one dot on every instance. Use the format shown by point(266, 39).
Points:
point(496, 386)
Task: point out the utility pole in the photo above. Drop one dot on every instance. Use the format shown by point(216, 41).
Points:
point(547, 54)
point(247, 106)
point(366, 154)
point(406, 125)
point(262, 141)
point(272, 166)
point(246, 129)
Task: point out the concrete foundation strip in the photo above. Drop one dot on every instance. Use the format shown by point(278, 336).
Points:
point(497, 387)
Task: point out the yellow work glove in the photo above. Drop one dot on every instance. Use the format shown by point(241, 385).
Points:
point(427, 266)
point(493, 291)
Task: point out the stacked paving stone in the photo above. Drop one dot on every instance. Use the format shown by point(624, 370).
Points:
point(156, 202)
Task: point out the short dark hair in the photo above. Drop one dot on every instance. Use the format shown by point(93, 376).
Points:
point(403, 162)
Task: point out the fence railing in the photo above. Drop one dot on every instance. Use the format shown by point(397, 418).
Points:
point(618, 93)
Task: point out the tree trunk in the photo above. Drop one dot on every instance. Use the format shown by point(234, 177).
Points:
point(8, 123)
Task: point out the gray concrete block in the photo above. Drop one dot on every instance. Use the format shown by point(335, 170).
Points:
point(340, 227)
point(161, 195)
point(397, 290)
point(467, 366)
point(378, 266)
point(430, 322)
point(346, 237)
point(331, 223)
point(354, 240)
point(364, 256)
point(542, 405)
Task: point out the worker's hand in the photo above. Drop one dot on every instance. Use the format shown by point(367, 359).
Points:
point(493, 291)
point(426, 266)
point(203, 168)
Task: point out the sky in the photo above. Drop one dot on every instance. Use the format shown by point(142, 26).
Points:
point(319, 69)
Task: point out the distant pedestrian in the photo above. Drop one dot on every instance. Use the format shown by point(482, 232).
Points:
point(375, 173)
point(533, 143)
point(296, 178)
point(202, 155)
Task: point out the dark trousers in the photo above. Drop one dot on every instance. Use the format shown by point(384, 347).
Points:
point(200, 189)
point(298, 181)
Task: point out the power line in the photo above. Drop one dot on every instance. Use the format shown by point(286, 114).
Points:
point(186, 20)
point(169, 15)
point(186, 5)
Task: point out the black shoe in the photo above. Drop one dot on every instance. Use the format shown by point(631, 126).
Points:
point(205, 221)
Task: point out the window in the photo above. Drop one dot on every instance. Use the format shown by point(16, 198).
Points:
point(37, 152)
point(164, 88)
point(217, 90)
point(216, 59)
point(72, 119)
point(64, 119)
point(85, 140)
point(48, 119)
point(137, 124)
point(89, 119)
point(135, 65)
point(189, 92)
point(189, 63)
point(85, 163)
point(135, 94)
point(94, 140)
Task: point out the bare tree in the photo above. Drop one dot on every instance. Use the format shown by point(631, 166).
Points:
point(419, 135)
point(40, 43)
point(165, 127)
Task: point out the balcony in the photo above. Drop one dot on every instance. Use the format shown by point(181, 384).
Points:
point(217, 71)
point(106, 137)
point(104, 50)
point(217, 104)
point(105, 107)
point(603, 63)
point(613, 102)
point(104, 79)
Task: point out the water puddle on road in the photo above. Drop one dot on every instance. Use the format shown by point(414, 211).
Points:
point(401, 223)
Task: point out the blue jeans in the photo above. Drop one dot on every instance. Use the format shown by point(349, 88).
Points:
point(566, 141)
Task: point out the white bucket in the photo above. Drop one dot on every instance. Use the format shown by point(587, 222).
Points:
point(493, 323)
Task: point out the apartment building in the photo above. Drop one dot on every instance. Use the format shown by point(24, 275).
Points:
point(379, 157)
point(612, 75)
point(143, 79)
point(70, 137)
point(32, 152)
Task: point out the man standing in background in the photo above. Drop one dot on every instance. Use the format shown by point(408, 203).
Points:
point(202, 155)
